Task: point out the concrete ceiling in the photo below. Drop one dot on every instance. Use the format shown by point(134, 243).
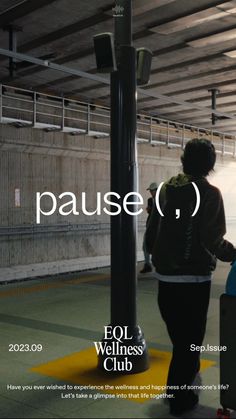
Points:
point(189, 41)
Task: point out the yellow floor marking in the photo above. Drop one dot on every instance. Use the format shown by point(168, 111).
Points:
point(19, 291)
point(80, 368)
point(87, 279)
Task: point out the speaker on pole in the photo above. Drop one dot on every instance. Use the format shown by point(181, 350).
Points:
point(144, 62)
point(105, 52)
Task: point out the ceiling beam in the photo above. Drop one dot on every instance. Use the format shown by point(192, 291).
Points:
point(140, 6)
point(212, 38)
point(106, 81)
point(201, 87)
point(154, 25)
point(22, 9)
point(65, 31)
point(67, 58)
point(56, 82)
point(66, 79)
point(158, 70)
point(197, 100)
point(89, 51)
point(53, 66)
point(218, 104)
point(203, 98)
point(85, 89)
point(197, 60)
point(219, 96)
point(159, 107)
point(190, 20)
point(231, 107)
point(191, 77)
point(204, 118)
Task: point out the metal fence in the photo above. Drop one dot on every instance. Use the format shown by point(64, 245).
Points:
point(27, 108)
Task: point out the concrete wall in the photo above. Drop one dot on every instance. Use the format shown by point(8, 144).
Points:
point(33, 161)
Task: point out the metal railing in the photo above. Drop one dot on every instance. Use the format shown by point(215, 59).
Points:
point(62, 228)
point(33, 229)
point(27, 108)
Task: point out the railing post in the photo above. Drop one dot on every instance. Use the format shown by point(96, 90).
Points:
point(223, 145)
point(88, 119)
point(1, 91)
point(63, 115)
point(150, 140)
point(168, 134)
point(183, 136)
point(35, 109)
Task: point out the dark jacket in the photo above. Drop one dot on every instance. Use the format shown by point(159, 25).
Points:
point(149, 209)
point(188, 245)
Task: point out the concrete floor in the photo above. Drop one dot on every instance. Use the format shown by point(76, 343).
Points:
point(65, 314)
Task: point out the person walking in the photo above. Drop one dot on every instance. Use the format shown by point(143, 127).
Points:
point(147, 257)
point(184, 250)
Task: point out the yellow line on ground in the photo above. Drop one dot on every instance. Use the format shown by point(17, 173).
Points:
point(80, 369)
point(87, 279)
point(20, 291)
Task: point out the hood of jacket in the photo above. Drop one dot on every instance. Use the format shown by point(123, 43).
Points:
point(180, 189)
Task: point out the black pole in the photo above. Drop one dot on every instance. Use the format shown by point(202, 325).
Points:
point(12, 36)
point(124, 181)
point(214, 92)
point(12, 47)
point(123, 23)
